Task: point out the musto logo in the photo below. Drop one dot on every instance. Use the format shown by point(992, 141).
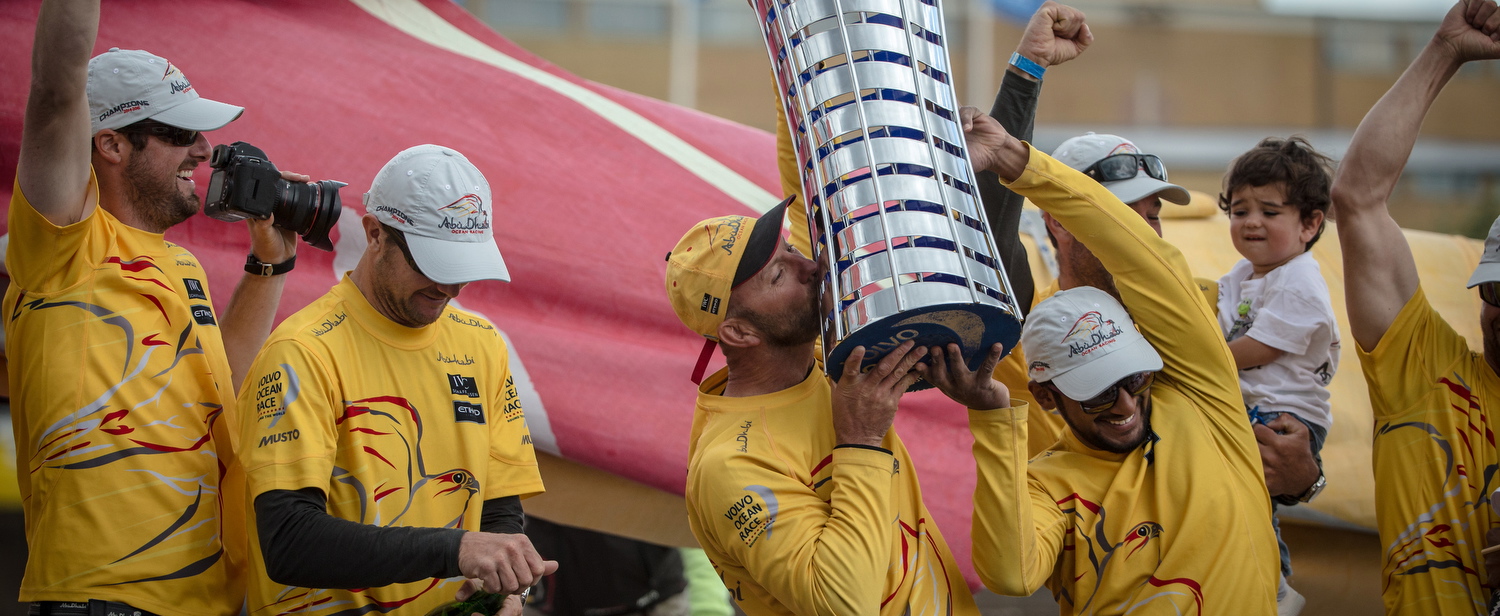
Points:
point(465, 215)
point(1090, 332)
point(281, 437)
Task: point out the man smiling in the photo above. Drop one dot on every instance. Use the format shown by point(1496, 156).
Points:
point(1153, 501)
point(123, 374)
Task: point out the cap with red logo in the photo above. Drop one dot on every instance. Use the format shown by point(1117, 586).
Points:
point(441, 202)
point(1083, 341)
point(129, 85)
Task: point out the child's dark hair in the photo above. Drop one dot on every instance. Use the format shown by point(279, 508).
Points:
point(1305, 174)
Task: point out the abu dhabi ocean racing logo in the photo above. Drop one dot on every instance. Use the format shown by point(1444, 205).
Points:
point(465, 215)
point(179, 81)
point(725, 232)
point(1090, 332)
point(1124, 148)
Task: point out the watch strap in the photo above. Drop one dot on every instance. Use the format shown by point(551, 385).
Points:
point(261, 268)
point(1315, 489)
point(1027, 66)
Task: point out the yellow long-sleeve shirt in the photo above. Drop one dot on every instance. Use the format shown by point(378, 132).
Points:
point(796, 525)
point(1180, 525)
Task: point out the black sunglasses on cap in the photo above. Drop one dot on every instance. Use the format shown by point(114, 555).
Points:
point(1490, 293)
point(180, 137)
point(1125, 166)
point(1134, 384)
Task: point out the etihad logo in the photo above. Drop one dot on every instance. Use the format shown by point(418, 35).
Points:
point(725, 233)
point(1090, 332)
point(1040, 366)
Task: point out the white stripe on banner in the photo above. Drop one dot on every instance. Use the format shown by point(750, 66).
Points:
point(415, 19)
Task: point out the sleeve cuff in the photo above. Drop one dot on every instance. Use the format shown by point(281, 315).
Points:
point(869, 447)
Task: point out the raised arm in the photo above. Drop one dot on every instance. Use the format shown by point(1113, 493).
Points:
point(1380, 275)
point(1055, 34)
point(1151, 274)
point(53, 170)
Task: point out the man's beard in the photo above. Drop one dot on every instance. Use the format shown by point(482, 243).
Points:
point(1088, 437)
point(1089, 271)
point(789, 327)
point(158, 204)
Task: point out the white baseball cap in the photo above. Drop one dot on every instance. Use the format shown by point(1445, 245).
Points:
point(1083, 151)
point(1083, 341)
point(129, 85)
point(441, 203)
point(1489, 262)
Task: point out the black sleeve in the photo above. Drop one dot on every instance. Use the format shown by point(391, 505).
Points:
point(304, 546)
point(502, 515)
point(1015, 109)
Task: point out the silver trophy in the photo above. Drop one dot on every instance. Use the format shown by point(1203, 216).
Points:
point(892, 203)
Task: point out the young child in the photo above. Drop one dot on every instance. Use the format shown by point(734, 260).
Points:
point(1273, 305)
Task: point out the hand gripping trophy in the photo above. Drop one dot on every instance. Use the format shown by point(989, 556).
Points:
point(891, 198)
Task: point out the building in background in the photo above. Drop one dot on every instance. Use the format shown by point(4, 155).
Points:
point(1195, 81)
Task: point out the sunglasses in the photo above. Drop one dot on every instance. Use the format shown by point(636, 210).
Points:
point(180, 137)
point(1125, 166)
point(1490, 293)
point(399, 239)
point(1135, 384)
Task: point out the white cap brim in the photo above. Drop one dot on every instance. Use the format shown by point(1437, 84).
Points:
point(1089, 379)
point(446, 262)
point(1142, 186)
point(1486, 272)
point(200, 114)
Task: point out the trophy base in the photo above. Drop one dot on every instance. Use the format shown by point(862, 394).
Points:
point(973, 327)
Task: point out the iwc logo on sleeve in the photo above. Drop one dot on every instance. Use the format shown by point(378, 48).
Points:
point(462, 385)
point(194, 288)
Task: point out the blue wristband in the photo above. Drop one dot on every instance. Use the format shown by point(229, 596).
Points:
point(1025, 64)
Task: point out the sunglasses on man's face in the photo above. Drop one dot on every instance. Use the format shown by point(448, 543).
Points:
point(1490, 293)
point(1125, 166)
point(399, 239)
point(1135, 385)
point(179, 137)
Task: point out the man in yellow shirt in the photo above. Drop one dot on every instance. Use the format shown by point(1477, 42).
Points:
point(798, 489)
point(122, 384)
point(1154, 501)
point(385, 448)
point(1433, 398)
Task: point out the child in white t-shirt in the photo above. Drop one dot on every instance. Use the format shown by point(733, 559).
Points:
point(1273, 305)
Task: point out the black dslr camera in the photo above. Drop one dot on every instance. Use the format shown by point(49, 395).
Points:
point(246, 185)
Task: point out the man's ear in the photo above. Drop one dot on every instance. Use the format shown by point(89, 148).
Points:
point(1042, 394)
point(111, 146)
point(738, 333)
point(372, 229)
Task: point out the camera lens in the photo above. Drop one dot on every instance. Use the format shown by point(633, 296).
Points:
point(310, 210)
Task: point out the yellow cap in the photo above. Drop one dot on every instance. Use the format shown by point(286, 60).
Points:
point(713, 258)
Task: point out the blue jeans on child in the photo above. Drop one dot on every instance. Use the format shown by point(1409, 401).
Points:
point(1316, 435)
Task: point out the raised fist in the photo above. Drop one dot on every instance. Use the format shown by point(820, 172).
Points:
point(1055, 34)
point(1470, 31)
